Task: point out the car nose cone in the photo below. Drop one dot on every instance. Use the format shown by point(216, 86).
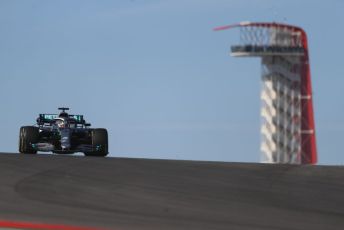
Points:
point(65, 138)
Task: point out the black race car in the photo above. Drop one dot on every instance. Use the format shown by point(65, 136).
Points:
point(63, 133)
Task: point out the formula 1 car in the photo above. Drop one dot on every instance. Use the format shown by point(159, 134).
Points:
point(63, 133)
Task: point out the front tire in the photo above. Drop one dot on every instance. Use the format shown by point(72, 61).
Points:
point(28, 135)
point(99, 143)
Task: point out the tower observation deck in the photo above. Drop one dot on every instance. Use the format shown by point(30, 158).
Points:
point(287, 129)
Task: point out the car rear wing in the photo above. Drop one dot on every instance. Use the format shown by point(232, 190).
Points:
point(49, 119)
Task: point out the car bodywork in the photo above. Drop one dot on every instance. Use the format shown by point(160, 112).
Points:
point(63, 133)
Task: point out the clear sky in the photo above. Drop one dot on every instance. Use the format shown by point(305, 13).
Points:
point(157, 77)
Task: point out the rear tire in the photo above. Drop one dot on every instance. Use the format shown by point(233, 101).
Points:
point(99, 143)
point(28, 135)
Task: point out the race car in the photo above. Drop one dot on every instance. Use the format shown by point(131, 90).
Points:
point(63, 133)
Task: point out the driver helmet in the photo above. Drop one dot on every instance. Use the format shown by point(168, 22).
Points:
point(61, 123)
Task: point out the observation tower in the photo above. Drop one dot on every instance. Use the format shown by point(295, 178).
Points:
point(287, 129)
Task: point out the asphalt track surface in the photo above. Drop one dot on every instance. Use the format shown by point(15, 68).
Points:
point(128, 194)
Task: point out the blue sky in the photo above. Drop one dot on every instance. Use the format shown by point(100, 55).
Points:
point(157, 77)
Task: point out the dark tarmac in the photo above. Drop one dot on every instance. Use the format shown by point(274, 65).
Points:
point(128, 194)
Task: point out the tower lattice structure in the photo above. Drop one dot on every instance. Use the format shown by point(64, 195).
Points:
point(287, 129)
